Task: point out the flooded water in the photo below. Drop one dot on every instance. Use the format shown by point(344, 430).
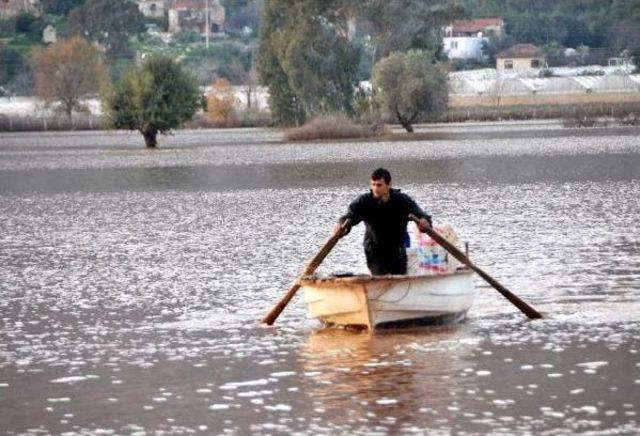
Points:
point(132, 282)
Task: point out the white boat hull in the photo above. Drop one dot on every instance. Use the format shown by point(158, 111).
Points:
point(386, 301)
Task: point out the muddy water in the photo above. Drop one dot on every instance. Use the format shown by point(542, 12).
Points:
point(131, 282)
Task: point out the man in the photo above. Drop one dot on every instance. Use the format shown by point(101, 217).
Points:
point(385, 212)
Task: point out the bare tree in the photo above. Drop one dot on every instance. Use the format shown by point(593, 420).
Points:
point(249, 80)
point(68, 71)
point(496, 91)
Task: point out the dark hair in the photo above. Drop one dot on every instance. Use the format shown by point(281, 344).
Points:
point(381, 173)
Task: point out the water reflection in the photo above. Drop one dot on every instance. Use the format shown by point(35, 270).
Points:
point(387, 377)
point(505, 169)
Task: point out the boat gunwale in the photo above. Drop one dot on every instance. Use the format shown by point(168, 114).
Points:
point(366, 278)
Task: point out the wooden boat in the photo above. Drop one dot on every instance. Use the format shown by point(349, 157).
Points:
point(364, 301)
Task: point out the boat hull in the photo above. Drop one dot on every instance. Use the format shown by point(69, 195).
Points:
point(390, 301)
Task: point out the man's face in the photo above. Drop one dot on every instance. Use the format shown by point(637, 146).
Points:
point(379, 188)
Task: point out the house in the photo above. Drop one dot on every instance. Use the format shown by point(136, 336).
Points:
point(153, 8)
point(520, 57)
point(624, 60)
point(192, 15)
point(12, 8)
point(464, 39)
point(49, 35)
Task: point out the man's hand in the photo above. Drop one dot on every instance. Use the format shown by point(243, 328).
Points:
point(339, 230)
point(423, 225)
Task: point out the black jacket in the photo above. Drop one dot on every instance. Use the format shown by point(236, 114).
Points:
point(386, 223)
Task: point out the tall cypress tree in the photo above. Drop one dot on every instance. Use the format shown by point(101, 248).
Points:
point(306, 59)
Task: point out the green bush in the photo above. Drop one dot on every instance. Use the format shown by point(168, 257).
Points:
point(154, 98)
point(30, 26)
point(187, 37)
point(11, 63)
point(230, 60)
point(411, 87)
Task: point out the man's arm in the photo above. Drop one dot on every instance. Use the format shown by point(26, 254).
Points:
point(354, 215)
point(414, 209)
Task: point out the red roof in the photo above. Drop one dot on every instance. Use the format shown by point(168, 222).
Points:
point(521, 51)
point(187, 4)
point(477, 25)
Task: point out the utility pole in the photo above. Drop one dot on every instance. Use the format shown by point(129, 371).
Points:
point(206, 22)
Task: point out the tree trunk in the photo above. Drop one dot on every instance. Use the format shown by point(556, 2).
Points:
point(68, 109)
point(404, 122)
point(150, 138)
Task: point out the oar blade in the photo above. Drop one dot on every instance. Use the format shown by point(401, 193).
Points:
point(277, 309)
point(311, 267)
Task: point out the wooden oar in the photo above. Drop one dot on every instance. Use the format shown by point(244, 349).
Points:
point(514, 299)
point(311, 267)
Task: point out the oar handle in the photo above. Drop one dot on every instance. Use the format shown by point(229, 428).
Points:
point(514, 299)
point(311, 267)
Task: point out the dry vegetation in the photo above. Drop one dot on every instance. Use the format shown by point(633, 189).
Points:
point(221, 102)
point(616, 111)
point(241, 118)
point(584, 122)
point(333, 127)
point(68, 71)
point(18, 123)
point(223, 110)
point(631, 120)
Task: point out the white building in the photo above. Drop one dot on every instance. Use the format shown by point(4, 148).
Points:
point(12, 8)
point(464, 39)
point(192, 15)
point(49, 35)
point(153, 8)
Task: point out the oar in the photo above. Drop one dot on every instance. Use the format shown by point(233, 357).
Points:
point(311, 267)
point(514, 299)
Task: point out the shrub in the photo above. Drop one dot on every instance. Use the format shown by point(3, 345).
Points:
point(545, 72)
point(187, 37)
point(242, 118)
point(585, 121)
point(411, 87)
point(631, 120)
point(155, 98)
point(227, 59)
point(11, 63)
point(29, 25)
point(221, 102)
point(68, 71)
point(331, 127)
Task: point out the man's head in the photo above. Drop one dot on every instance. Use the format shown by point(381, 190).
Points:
point(380, 183)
